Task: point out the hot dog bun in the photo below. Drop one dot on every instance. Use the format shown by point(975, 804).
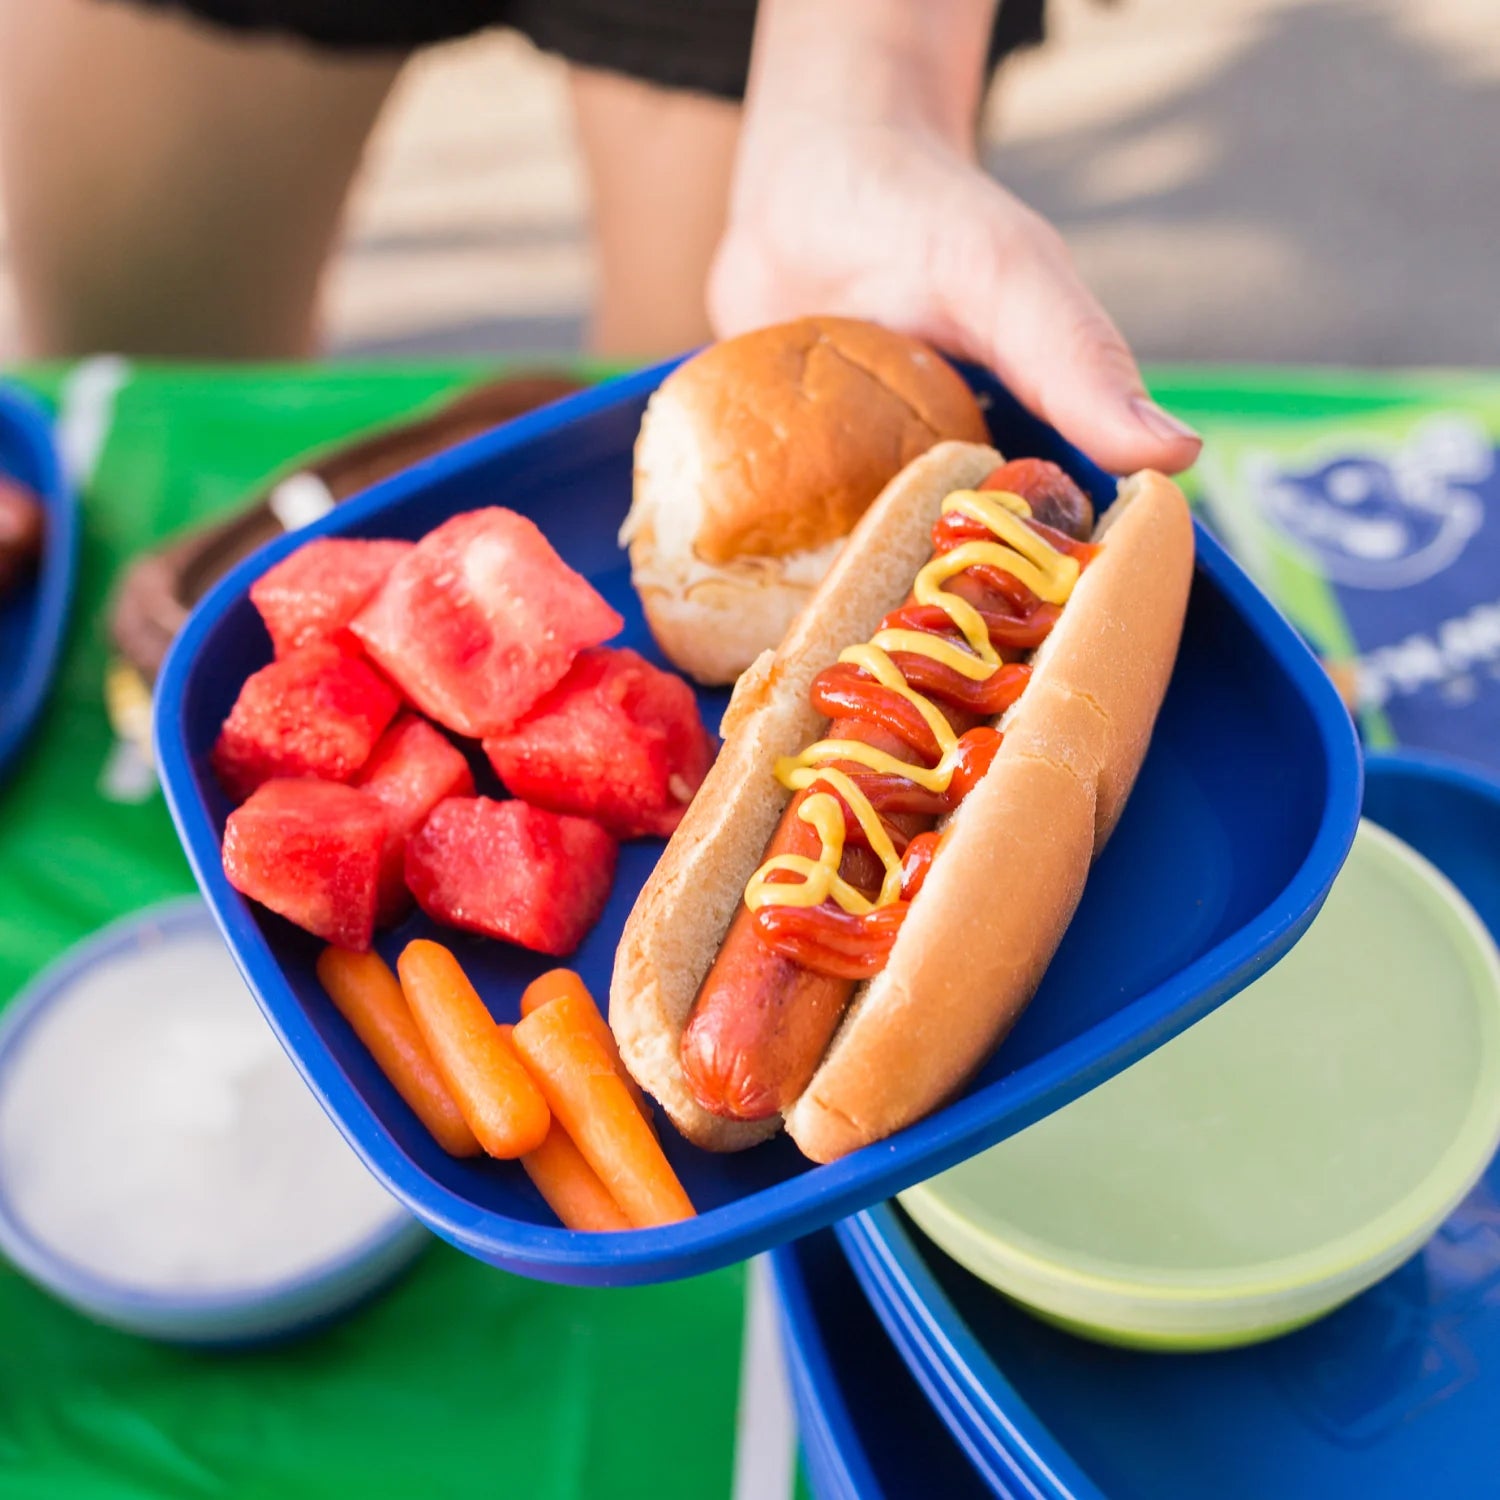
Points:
point(979, 937)
point(966, 964)
point(732, 527)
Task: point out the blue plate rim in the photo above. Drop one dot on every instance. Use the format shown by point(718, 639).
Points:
point(998, 1430)
point(841, 1464)
point(818, 1196)
point(394, 1242)
point(27, 421)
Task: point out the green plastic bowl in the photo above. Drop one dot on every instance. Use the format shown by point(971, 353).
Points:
point(1276, 1159)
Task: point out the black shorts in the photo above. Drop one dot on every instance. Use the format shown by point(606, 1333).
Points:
point(703, 45)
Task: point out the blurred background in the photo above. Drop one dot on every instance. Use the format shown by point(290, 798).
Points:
point(1251, 180)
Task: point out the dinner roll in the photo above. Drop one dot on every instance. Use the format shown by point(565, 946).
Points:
point(755, 459)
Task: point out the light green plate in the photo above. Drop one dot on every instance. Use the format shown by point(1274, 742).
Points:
point(1274, 1160)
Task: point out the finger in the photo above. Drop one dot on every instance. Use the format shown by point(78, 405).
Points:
point(1036, 324)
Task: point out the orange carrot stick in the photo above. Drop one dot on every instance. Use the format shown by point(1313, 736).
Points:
point(558, 1044)
point(549, 986)
point(570, 1185)
point(502, 1105)
point(557, 982)
point(368, 997)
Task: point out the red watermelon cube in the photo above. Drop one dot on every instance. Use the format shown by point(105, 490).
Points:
point(480, 619)
point(313, 594)
point(511, 871)
point(310, 850)
point(316, 712)
point(411, 770)
point(617, 740)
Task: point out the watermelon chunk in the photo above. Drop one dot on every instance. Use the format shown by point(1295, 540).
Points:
point(512, 871)
point(480, 619)
point(316, 712)
point(313, 594)
point(310, 850)
point(617, 740)
point(411, 770)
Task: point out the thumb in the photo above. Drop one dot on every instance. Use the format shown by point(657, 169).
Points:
point(1041, 330)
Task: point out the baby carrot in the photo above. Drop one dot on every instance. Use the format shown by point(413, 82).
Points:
point(557, 982)
point(549, 986)
point(368, 997)
point(558, 1044)
point(570, 1185)
point(502, 1105)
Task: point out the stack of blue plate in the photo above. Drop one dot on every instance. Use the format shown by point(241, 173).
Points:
point(1392, 1394)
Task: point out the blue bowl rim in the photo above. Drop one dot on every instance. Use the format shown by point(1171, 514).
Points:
point(1433, 766)
point(26, 421)
point(818, 1196)
point(133, 1306)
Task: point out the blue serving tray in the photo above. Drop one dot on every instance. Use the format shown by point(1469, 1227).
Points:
point(34, 619)
point(1393, 1395)
point(867, 1431)
point(1244, 811)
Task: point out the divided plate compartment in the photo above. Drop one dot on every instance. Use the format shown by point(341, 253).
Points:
point(34, 618)
point(1242, 815)
point(1391, 1395)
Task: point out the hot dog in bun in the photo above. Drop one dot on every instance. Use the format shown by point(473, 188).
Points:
point(871, 883)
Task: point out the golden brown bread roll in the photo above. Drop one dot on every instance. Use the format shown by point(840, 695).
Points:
point(754, 461)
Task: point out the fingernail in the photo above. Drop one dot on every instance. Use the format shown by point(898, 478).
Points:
point(1161, 424)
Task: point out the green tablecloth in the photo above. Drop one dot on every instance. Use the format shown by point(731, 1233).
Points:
point(464, 1381)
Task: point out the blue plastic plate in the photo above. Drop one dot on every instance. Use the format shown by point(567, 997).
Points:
point(867, 1431)
point(1243, 813)
point(34, 618)
point(1393, 1395)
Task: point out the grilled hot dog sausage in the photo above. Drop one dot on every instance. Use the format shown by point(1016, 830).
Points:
point(762, 1020)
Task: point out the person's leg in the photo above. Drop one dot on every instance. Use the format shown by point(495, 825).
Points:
point(658, 163)
point(171, 190)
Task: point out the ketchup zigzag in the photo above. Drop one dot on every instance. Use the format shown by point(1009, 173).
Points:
point(936, 672)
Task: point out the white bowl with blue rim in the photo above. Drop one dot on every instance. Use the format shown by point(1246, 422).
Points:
point(306, 1281)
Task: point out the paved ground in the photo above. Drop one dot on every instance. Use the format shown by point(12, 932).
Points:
point(1256, 181)
point(1301, 180)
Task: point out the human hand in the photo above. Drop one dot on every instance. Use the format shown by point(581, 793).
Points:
point(868, 201)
